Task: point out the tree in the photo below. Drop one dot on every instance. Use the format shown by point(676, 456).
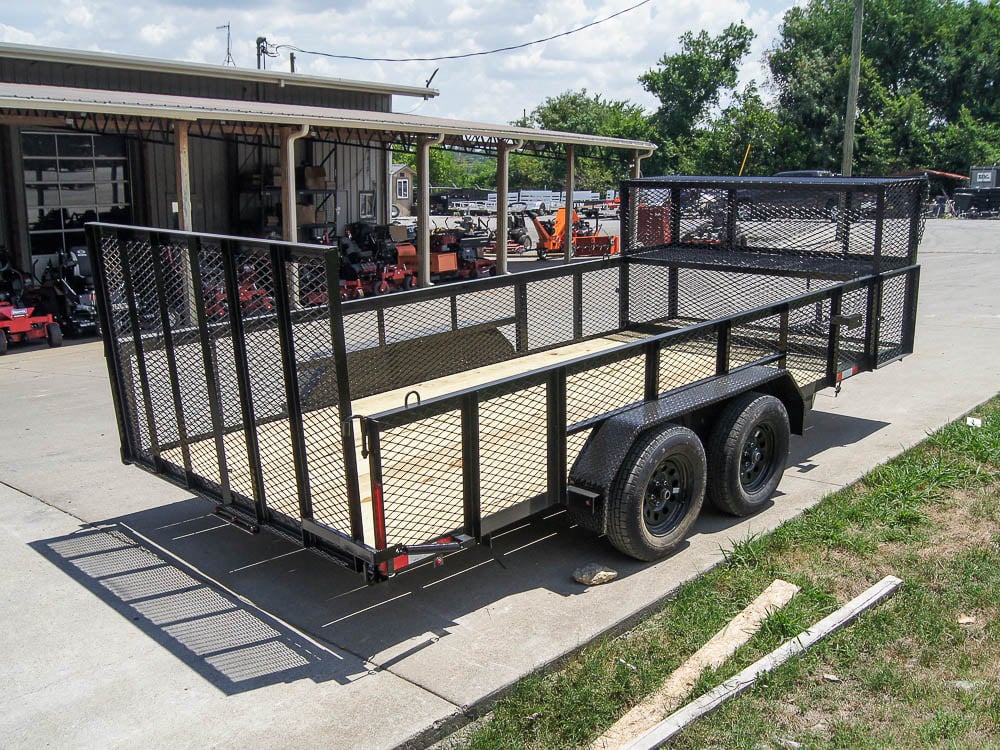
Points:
point(579, 112)
point(923, 61)
point(690, 83)
point(720, 147)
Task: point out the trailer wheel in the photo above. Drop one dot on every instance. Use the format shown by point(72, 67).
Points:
point(53, 334)
point(747, 452)
point(409, 282)
point(3, 342)
point(542, 253)
point(657, 494)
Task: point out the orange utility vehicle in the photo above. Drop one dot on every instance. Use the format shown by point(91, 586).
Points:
point(587, 241)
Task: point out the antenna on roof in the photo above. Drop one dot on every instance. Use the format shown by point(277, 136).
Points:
point(428, 83)
point(229, 45)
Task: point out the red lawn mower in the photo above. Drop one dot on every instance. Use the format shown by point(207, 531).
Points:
point(19, 323)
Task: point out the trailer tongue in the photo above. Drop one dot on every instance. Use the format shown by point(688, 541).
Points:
point(393, 430)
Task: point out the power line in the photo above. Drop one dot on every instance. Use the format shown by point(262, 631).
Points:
point(468, 54)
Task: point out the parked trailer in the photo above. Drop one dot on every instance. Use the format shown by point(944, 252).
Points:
point(390, 431)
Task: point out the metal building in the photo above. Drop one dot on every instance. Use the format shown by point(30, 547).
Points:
point(92, 136)
point(63, 169)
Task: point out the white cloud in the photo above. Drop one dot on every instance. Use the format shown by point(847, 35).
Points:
point(605, 59)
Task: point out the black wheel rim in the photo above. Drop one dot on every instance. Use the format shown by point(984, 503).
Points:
point(757, 458)
point(668, 496)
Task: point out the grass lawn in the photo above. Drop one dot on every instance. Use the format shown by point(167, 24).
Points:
point(920, 670)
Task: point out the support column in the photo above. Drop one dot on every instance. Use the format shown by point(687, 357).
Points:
point(503, 188)
point(289, 219)
point(637, 157)
point(424, 143)
point(185, 222)
point(570, 183)
point(182, 162)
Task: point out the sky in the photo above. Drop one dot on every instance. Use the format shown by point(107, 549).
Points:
point(606, 59)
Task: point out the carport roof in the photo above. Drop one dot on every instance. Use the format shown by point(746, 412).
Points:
point(124, 111)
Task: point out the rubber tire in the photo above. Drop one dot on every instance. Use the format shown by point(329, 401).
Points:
point(3, 342)
point(542, 253)
point(409, 282)
point(53, 334)
point(528, 243)
point(627, 529)
point(734, 426)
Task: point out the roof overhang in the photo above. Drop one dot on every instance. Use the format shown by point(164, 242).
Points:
point(203, 70)
point(146, 114)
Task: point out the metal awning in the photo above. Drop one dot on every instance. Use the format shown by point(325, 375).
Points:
point(151, 114)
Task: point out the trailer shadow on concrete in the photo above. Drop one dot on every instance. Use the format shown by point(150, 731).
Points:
point(233, 646)
point(248, 610)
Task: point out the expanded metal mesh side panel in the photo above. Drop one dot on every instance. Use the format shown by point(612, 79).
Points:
point(685, 359)
point(408, 343)
point(837, 225)
point(513, 454)
point(602, 389)
point(486, 306)
point(752, 342)
point(903, 220)
point(422, 479)
point(710, 294)
point(891, 326)
point(123, 346)
point(417, 320)
point(648, 293)
point(808, 337)
point(599, 301)
point(852, 340)
point(550, 312)
point(138, 265)
point(210, 265)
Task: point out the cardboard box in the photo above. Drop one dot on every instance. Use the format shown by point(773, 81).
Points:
point(313, 178)
point(305, 214)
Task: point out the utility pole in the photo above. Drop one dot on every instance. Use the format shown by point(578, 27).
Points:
point(852, 90)
point(261, 51)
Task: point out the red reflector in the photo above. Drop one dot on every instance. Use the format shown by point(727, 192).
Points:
point(378, 513)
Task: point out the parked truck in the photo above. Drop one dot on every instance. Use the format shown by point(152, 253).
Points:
point(391, 431)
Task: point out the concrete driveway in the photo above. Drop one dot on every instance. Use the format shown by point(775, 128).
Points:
point(132, 615)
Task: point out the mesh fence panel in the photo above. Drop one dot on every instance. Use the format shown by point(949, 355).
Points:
point(599, 301)
point(318, 393)
point(834, 225)
point(550, 312)
point(894, 291)
point(852, 340)
point(513, 452)
point(422, 479)
point(686, 358)
point(648, 293)
point(602, 389)
point(752, 342)
point(808, 333)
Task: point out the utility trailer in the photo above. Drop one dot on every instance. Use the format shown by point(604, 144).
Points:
point(390, 431)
